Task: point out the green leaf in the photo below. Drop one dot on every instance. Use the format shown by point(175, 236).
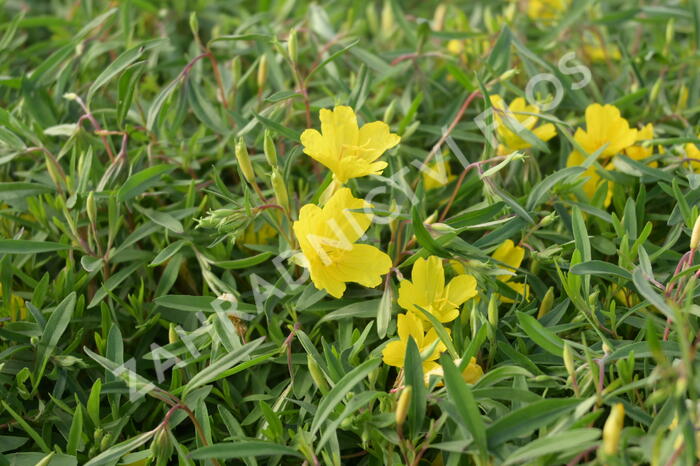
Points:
point(76, 431)
point(540, 335)
point(569, 441)
point(18, 190)
point(113, 282)
point(424, 238)
point(117, 451)
point(336, 395)
point(596, 267)
point(19, 246)
point(245, 262)
point(216, 370)
point(528, 419)
point(462, 398)
point(119, 64)
point(273, 125)
point(142, 181)
point(55, 326)
point(243, 449)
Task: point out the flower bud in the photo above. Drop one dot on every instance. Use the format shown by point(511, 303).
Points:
point(695, 237)
point(280, 189)
point(493, 310)
point(270, 150)
point(106, 441)
point(402, 405)
point(547, 302)
point(612, 429)
point(389, 112)
point(292, 45)
point(262, 71)
point(235, 71)
point(172, 334)
point(569, 360)
point(655, 89)
point(244, 161)
point(91, 208)
point(316, 374)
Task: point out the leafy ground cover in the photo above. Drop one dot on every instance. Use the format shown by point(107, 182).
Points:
point(372, 232)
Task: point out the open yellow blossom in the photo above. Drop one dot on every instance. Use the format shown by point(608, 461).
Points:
point(427, 290)
point(511, 256)
point(410, 325)
point(437, 175)
point(605, 125)
point(520, 114)
point(597, 53)
point(471, 374)
point(692, 152)
point(639, 152)
point(345, 149)
point(546, 9)
point(327, 238)
point(258, 234)
point(590, 186)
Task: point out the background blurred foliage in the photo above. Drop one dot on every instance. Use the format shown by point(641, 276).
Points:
point(123, 216)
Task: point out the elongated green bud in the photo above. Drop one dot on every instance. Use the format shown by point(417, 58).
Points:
point(547, 302)
point(292, 45)
point(316, 374)
point(403, 404)
point(236, 71)
point(244, 161)
point(270, 150)
point(280, 189)
point(612, 429)
point(262, 71)
point(91, 208)
point(695, 237)
point(172, 334)
point(569, 360)
point(493, 310)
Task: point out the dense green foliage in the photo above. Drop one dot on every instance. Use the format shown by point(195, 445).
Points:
point(125, 213)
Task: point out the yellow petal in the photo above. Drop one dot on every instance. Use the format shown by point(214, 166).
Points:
point(429, 276)
point(511, 255)
point(364, 264)
point(339, 127)
point(374, 139)
point(394, 353)
point(473, 372)
point(460, 289)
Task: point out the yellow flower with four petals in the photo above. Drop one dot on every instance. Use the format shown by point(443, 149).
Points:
point(344, 148)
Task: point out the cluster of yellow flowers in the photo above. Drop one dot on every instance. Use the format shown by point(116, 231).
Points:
point(328, 234)
point(608, 132)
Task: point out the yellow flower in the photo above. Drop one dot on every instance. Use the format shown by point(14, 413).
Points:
point(604, 125)
point(428, 290)
point(410, 325)
point(639, 152)
point(327, 238)
point(518, 113)
point(455, 46)
point(590, 186)
point(545, 9)
point(692, 152)
point(598, 54)
point(258, 234)
point(437, 175)
point(471, 374)
point(345, 149)
point(512, 256)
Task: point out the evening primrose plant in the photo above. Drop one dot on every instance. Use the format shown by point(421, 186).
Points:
point(371, 232)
